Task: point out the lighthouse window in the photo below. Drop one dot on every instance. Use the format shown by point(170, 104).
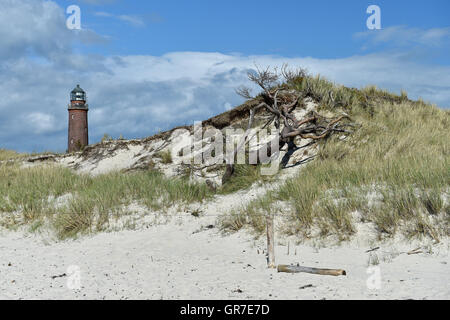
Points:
point(73, 116)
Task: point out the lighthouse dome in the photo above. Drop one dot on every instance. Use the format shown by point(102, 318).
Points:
point(78, 94)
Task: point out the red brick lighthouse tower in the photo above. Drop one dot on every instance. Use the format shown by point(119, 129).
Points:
point(78, 120)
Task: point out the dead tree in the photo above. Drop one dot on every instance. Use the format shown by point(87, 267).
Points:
point(279, 100)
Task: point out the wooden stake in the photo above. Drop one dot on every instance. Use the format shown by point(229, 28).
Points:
point(297, 269)
point(270, 243)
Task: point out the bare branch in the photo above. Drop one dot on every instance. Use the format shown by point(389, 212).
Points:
point(292, 74)
point(244, 92)
point(265, 78)
point(280, 101)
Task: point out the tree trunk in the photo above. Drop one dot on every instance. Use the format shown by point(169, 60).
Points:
point(229, 170)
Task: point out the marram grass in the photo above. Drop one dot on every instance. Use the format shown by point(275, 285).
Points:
point(399, 154)
point(394, 171)
point(27, 196)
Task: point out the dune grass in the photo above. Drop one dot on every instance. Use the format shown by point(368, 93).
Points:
point(245, 175)
point(165, 156)
point(394, 170)
point(27, 196)
point(10, 155)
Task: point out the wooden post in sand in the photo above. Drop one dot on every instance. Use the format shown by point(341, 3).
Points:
point(291, 268)
point(270, 242)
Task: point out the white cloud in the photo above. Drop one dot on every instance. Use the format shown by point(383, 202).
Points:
point(38, 29)
point(32, 27)
point(41, 123)
point(403, 35)
point(138, 95)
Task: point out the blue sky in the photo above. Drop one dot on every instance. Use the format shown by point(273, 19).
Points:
point(321, 29)
point(151, 65)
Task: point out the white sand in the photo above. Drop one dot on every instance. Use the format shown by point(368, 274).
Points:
point(175, 261)
point(187, 259)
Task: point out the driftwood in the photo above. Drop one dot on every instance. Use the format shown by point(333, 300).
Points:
point(297, 269)
point(44, 157)
point(414, 251)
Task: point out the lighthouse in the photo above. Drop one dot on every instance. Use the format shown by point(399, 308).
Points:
point(78, 120)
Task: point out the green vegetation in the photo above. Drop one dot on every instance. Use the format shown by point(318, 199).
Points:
point(106, 137)
point(165, 156)
point(399, 155)
point(27, 196)
point(393, 171)
point(9, 155)
point(245, 175)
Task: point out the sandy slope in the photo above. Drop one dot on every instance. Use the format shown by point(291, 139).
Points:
point(187, 258)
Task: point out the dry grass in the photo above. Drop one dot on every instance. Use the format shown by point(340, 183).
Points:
point(245, 175)
point(27, 196)
point(400, 154)
point(394, 170)
point(165, 156)
point(10, 155)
